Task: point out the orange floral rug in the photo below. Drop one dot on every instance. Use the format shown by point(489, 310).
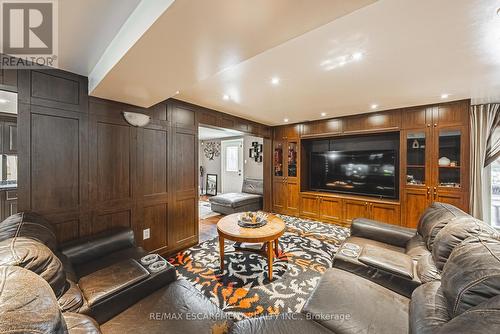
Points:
point(306, 251)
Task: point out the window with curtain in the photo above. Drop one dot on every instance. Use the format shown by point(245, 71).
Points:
point(495, 193)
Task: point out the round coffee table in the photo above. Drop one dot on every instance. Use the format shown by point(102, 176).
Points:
point(268, 234)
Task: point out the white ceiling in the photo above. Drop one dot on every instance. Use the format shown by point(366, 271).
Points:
point(193, 40)
point(413, 51)
point(86, 28)
point(205, 133)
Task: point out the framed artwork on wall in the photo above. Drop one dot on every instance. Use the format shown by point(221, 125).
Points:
point(211, 187)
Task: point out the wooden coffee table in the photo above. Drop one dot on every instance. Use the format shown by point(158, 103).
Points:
point(268, 234)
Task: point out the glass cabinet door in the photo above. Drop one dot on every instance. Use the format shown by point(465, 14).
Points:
point(415, 158)
point(292, 159)
point(449, 162)
point(278, 159)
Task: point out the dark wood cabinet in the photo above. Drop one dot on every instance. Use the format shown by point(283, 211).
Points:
point(434, 163)
point(355, 209)
point(286, 169)
point(318, 128)
point(330, 209)
point(378, 121)
point(309, 206)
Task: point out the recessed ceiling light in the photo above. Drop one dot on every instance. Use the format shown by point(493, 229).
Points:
point(342, 63)
point(357, 56)
point(177, 92)
point(445, 96)
point(225, 97)
point(275, 80)
point(285, 120)
point(3, 101)
point(374, 106)
point(323, 114)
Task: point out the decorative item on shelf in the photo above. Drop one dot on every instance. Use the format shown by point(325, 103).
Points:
point(211, 187)
point(444, 161)
point(211, 149)
point(136, 119)
point(415, 144)
point(252, 219)
point(453, 164)
point(449, 184)
point(255, 151)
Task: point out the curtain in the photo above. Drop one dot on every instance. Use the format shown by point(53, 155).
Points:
point(485, 148)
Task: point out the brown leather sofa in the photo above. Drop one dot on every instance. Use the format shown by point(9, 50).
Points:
point(401, 259)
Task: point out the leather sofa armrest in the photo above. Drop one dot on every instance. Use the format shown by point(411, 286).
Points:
point(88, 249)
point(382, 232)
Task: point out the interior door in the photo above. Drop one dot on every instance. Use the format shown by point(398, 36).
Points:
point(232, 165)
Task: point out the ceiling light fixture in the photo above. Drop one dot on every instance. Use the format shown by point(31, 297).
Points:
point(374, 106)
point(275, 80)
point(357, 56)
point(225, 97)
point(285, 120)
point(136, 119)
point(323, 114)
point(177, 92)
point(444, 96)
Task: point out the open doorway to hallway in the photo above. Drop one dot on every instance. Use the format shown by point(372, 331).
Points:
point(230, 164)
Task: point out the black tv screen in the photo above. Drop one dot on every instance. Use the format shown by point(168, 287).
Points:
point(371, 173)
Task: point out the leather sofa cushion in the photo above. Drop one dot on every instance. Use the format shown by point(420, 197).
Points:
point(107, 260)
point(416, 247)
point(27, 303)
point(281, 324)
point(434, 218)
point(192, 311)
point(87, 249)
point(72, 300)
point(454, 233)
point(29, 225)
point(253, 186)
point(396, 263)
point(472, 274)
point(235, 200)
point(67, 267)
point(386, 233)
point(343, 297)
point(80, 324)
point(362, 242)
point(483, 318)
point(101, 284)
point(428, 309)
point(36, 257)
point(427, 270)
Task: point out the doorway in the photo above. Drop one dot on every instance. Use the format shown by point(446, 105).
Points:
point(232, 165)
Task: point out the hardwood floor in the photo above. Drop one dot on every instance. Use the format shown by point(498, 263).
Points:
point(208, 228)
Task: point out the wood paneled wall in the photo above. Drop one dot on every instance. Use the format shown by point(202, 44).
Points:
point(87, 170)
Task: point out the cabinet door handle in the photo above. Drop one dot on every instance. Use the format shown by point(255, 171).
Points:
point(435, 125)
point(428, 125)
point(428, 192)
point(435, 193)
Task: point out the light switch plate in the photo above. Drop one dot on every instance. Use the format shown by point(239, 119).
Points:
point(146, 234)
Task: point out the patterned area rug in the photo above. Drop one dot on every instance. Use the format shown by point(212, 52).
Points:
point(306, 251)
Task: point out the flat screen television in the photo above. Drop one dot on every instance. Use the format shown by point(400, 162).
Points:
point(371, 173)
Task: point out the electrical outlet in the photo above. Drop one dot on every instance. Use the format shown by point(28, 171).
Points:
point(146, 234)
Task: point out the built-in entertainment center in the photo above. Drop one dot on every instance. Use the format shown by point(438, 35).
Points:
point(360, 165)
point(387, 165)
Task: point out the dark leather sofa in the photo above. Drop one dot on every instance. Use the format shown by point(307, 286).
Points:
point(463, 296)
